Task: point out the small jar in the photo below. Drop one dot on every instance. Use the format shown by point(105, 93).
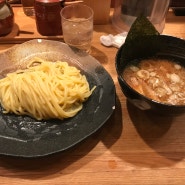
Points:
point(6, 18)
point(47, 14)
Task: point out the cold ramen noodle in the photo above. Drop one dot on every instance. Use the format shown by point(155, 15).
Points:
point(44, 90)
point(159, 79)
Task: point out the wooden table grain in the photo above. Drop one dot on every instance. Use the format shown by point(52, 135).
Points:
point(133, 147)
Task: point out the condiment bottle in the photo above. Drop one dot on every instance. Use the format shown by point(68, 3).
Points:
point(6, 18)
point(47, 14)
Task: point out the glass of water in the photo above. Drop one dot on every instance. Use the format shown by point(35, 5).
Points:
point(77, 26)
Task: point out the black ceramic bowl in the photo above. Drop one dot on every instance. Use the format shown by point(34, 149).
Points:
point(160, 46)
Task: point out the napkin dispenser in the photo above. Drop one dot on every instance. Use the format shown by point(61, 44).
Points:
point(126, 11)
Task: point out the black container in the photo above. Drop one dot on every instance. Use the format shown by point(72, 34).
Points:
point(161, 46)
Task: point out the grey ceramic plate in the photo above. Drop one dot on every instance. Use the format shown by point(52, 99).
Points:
point(26, 137)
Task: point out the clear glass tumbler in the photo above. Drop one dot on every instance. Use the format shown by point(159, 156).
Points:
point(77, 26)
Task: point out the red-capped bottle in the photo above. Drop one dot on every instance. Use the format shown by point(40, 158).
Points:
point(47, 15)
point(6, 18)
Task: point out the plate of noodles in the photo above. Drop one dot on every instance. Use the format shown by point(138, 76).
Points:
point(52, 97)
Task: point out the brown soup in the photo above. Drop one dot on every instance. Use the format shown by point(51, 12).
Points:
point(159, 79)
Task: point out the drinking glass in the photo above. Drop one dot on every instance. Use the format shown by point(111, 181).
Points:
point(77, 26)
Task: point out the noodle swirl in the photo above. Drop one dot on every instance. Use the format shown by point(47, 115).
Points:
point(44, 90)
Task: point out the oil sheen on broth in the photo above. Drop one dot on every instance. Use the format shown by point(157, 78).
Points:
point(159, 79)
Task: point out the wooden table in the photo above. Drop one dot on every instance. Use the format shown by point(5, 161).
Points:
point(131, 148)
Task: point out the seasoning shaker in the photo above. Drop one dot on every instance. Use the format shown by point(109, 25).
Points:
point(47, 15)
point(6, 18)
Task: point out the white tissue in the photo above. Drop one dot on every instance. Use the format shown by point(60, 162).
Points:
point(116, 41)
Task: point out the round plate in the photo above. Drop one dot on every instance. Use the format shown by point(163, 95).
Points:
point(24, 136)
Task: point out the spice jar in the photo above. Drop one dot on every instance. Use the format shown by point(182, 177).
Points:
point(6, 18)
point(47, 14)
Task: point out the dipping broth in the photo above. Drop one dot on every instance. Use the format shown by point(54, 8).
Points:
point(158, 79)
